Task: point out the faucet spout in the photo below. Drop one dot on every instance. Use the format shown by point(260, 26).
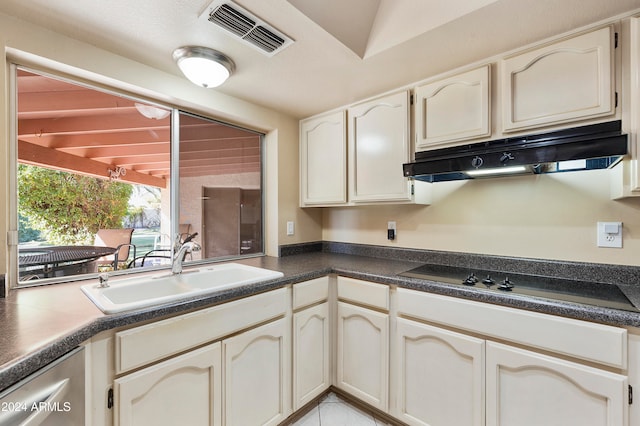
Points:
point(178, 257)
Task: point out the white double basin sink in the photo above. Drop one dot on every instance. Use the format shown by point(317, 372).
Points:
point(141, 292)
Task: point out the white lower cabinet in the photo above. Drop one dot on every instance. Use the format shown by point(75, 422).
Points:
point(546, 374)
point(427, 360)
point(363, 354)
point(229, 364)
point(439, 376)
point(311, 354)
point(185, 390)
point(257, 375)
point(529, 389)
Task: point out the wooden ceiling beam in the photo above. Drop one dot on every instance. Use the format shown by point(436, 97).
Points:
point(222, 170)
point(126, 138)
point(227, 153)
point(121, 151)
point(59, 103)
point(208, 131)
point(134, 161)
point(103, 123)
point(218, 144)
point(50, 158)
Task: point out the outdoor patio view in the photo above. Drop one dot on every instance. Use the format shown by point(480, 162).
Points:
point(59, 209)
point(93, 181)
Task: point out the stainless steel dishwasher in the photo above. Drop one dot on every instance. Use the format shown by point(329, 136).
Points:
point(53, 396)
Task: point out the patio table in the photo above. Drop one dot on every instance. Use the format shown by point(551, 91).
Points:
point(48, 260)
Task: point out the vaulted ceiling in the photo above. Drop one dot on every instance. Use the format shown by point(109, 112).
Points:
point(343, 51)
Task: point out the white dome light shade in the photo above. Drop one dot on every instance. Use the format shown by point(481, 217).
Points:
point(203, 66)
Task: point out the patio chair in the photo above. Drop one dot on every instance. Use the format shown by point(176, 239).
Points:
point(161, 253)
point(120, 239)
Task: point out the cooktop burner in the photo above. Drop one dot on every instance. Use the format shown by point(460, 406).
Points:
point(604, 295)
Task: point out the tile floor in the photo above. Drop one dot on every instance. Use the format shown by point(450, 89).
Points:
point(334, 411)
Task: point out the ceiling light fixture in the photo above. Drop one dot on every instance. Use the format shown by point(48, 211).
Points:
point(203, 66)
point(151, 111)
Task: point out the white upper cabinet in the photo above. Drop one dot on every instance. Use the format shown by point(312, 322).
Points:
point(378, 146)
point(373, 150)
point(323, 160)
point(453, 109)
point(565, 81)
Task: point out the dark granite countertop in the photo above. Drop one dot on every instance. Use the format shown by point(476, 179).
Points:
point(39, 324)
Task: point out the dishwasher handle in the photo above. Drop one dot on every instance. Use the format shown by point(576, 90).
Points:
point(45, 402)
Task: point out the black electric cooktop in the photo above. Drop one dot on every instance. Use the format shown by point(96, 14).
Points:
point(597, 294)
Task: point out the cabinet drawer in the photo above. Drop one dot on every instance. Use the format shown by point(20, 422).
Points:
point(310, 292)
point(151, 342)
point(363, 292)
point(592, 342)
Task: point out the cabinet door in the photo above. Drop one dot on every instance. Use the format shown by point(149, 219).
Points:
point(562, 82)
point(363, 354)
point(529, 389)
point(185, 390)
point(378, 146)
point(323, 160)
point(258, 375)
point(439, 376)
point(310, 354)
point(453, 109)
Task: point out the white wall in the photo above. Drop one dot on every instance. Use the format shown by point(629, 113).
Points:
point(546, 217)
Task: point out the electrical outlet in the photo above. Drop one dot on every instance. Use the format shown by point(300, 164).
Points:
point(610, 234)
point(290, 228)
point(391, 230)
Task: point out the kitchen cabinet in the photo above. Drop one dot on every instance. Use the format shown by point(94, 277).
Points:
point(323, 160)
point(453, 109)
point(439, 376)
point(566, 81)
point(378, 141)
point(355, 156)
point(425, 359)
point(311, 341)
point(530, 389)
point(182, 390)
point(542, 384)
point(626, 181)
point(257, 375)
point(363, 341)
point(171, 371)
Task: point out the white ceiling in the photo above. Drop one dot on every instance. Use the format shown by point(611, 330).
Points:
point(397, 42)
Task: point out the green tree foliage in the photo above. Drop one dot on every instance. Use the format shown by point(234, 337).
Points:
point(70, 208)
point(25, 232)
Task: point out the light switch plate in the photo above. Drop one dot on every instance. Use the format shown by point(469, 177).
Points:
point(610, 234)
point(290, 228)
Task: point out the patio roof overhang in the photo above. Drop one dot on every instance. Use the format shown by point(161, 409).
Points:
point(77, 129)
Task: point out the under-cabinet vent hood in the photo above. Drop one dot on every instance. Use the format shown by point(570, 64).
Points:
point(246, 26)
point(594, 146)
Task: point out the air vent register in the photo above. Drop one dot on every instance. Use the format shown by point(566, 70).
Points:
point(246, 27)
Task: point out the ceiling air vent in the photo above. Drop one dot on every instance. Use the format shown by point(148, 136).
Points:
point(246, 26)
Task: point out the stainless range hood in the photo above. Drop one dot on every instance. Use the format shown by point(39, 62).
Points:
point(595, 146)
